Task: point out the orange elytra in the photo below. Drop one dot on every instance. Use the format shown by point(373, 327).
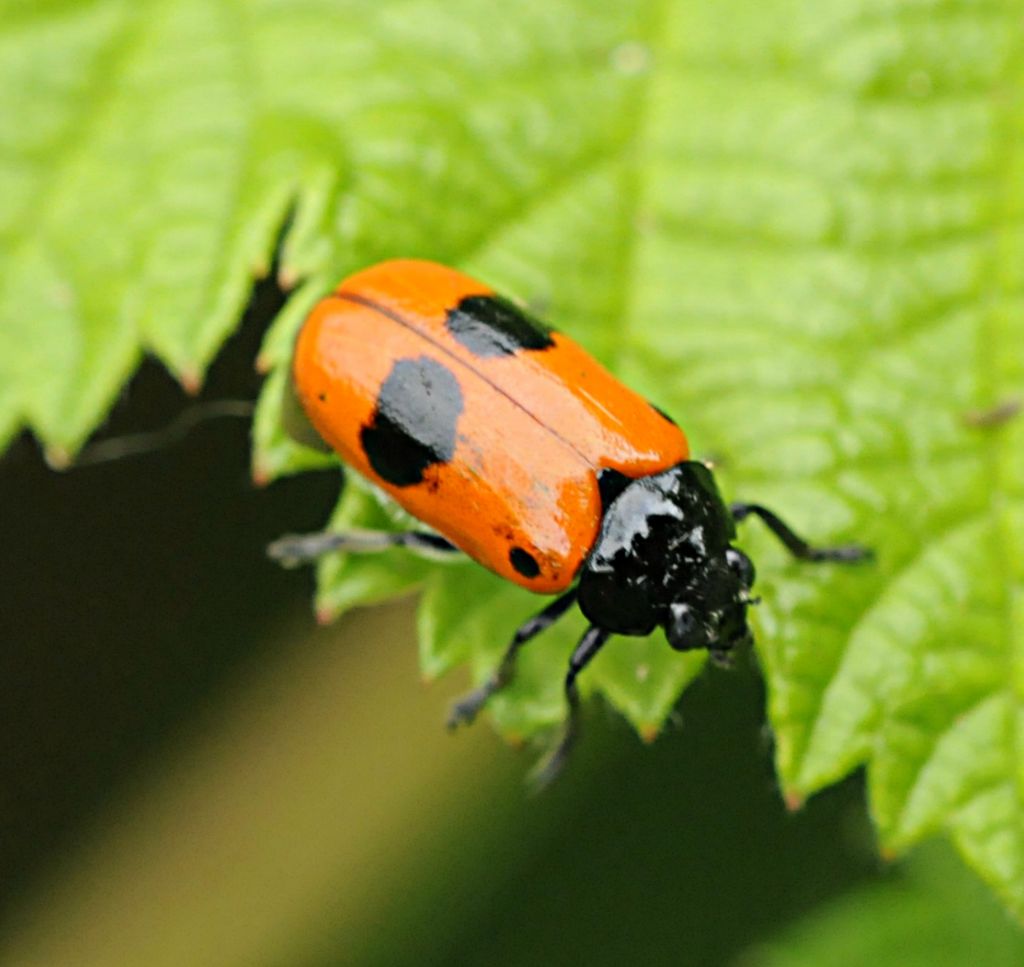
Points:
point(508, 426)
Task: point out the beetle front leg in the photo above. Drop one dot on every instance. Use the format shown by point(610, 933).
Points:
point(796, 545)
point(467, 708)
point(552, 764)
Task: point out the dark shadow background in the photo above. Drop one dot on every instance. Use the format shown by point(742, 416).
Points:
point(135, 592)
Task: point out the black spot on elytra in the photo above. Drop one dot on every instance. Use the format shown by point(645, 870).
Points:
point(488, 325)
point(524, 562)
point(414, 422)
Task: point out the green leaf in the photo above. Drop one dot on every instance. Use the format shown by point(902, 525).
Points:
point(147, 162)
point(468, 615)
point(796, 225)
point(929, 913)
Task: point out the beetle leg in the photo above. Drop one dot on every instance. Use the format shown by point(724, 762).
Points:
point(551, 765)
point(466, 709)
point(796, 545)
point(294, 549)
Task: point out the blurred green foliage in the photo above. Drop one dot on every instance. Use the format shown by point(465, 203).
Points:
point(795, 225)
point(928, 914)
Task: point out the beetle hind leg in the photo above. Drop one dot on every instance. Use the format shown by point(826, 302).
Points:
point(295, 549)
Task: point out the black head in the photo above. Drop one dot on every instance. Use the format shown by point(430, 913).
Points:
point(664, 557)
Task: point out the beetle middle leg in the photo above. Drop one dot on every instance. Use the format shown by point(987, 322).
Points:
point(466, 709)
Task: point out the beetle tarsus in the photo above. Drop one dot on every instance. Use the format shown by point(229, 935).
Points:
point(549, 768)
point(466, 709)
point(295, 549)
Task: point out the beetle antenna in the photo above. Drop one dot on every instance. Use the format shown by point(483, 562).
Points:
point(136, 444)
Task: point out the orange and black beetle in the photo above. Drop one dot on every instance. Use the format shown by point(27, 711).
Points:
point(517, 448)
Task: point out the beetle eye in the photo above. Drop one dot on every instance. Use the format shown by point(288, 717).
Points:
point(741, 566)
point(683, 630)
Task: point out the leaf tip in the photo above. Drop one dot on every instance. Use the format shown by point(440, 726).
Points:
point(260, 473)
point(649, 731)
point(191, 380)
point(794, 800)
point(264, 363)
point(325, 614)
point(57, 457)
point(287, 278)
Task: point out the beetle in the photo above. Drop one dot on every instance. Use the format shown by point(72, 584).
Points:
point(517, 448)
